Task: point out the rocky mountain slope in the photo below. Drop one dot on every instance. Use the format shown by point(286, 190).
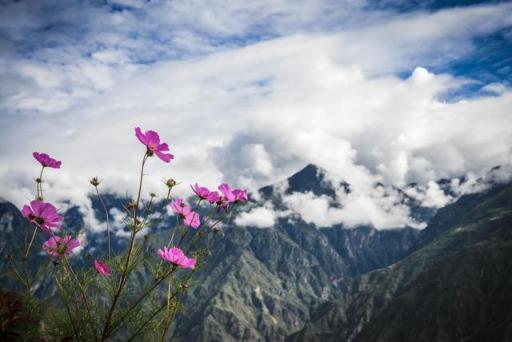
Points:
point(454, 287)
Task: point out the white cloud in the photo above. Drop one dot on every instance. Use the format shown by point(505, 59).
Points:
point(260, 217)
point(251, 112)
point(431, 195)
point(496, 88)
point(376, 207)
point(313, 209)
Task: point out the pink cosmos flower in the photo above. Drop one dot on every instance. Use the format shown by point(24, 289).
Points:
point(192, 220)
point(46, 160)
point(201, 191)
point(213, 197)
point(180, 208)
point(176, 256)
point(44, 215)
point(227, 192)
point(102, 268)
point(59, 246)
point(240, 195)
point(152, 142)
point(222, 203)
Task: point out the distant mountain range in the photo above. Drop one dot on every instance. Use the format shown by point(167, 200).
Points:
point(294, 281)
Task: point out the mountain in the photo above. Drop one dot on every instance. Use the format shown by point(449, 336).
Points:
point(263, 284)
point(454, 286)
point(298, 282)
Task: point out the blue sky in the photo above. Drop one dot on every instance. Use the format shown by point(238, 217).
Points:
point(251, 91)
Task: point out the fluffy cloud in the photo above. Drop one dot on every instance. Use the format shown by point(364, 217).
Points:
point(248, 109)
point(431, 195)
point(375, 208)
point(260, 217)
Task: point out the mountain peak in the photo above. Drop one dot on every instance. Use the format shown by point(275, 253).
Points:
point(311, 178)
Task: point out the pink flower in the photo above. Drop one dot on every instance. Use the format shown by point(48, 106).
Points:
point(192, 220)
point(102, 268)
point(177, 257)
point(240, 195)
point(44, 215)
point(227, 192)
point(180, 208)
point(59, 246)
point(213, 197)
point(46, 160)
point(152, 142)
point(201, 191)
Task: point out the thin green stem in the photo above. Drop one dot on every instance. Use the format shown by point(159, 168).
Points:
point(125, 273)
point(66, 304)
point(170, 317)
point(39, 186)
point(142, 297)
point(108, 220)
point(82, 290)
point(30, 244)
point(139, 330)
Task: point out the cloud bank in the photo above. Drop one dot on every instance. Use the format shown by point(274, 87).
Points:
point(248, 94)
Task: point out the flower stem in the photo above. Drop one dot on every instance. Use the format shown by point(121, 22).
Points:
point(39, 186)
point(108, 220)
point(30, 244)
point(66, 304)
point(141, 297)
point(82, 290)
point(124, 275)
point(139, 330)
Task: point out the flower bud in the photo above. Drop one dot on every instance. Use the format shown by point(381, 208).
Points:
point(95, 181)
point(130, 206)
point(170, 183)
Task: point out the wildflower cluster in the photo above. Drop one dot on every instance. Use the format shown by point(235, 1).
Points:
point(116, 305)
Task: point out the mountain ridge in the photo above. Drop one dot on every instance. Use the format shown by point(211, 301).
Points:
point(295, 280)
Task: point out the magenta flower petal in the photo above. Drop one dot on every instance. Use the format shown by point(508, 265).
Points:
point(213, 197)
point(37, 206)
point(192, 220)
point(44, 215)
point(180, 208)
point(240, 195)
point(163, 147)
point(46, 210)
point(102, 268)
point(177, 205)
point(200, 191)
point(140, 135)
point(46, 160)
point(152, 138)
point(166, 157)
point(152, 142)
point(189, 263)
point(227, 192)
point(26, 210)
point(176, 256)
